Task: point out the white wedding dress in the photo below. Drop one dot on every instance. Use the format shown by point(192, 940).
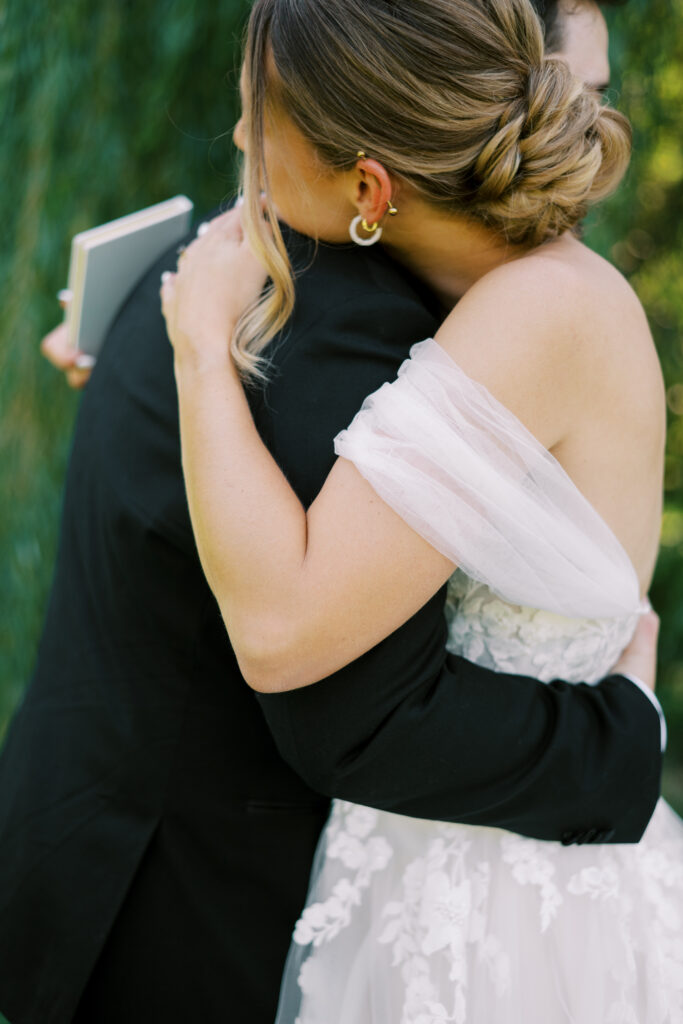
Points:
point(418, 922)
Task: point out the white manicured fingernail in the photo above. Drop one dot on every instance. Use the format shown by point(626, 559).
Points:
point(239, 201)
point(165, 276)
point(84, 361)
point(64, 295)
point(202, 229)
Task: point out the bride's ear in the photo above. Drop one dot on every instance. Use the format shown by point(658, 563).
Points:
point(373, 190)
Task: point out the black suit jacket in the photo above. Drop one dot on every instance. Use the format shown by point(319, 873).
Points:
point(156, 814)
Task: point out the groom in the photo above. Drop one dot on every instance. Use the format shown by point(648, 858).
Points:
point(157, 820)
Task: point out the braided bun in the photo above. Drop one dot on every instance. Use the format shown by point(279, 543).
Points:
point(556, 151)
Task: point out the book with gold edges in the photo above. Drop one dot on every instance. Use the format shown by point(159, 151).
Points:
point(107, 261)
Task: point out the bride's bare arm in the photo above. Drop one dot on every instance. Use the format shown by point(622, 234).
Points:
point(301, 594)
point(304, 593)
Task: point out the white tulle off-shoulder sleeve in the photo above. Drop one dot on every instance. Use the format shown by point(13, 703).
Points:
point(468, 476)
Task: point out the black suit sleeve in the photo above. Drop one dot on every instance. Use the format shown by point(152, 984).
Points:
point(410, 729)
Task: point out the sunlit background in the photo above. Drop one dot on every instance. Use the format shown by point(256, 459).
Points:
point(110, 107)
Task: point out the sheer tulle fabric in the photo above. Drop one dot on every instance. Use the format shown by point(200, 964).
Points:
point(463, 471)
point(417, 922)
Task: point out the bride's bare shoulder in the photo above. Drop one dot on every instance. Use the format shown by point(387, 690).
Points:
point(560, 293)
point(549, 332)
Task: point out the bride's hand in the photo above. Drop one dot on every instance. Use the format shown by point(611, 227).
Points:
point(640, 657)
point(218, 278)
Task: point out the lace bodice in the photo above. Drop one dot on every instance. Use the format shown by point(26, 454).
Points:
point(485, 629)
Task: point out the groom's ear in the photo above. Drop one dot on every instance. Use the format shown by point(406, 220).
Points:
point(373, 189)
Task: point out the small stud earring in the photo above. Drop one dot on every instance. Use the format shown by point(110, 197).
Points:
point(391, 209)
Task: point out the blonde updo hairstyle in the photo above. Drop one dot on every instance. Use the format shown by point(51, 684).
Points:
point(456, 98)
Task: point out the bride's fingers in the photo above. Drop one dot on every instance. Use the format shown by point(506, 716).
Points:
point(166, 292)
point(229, 224)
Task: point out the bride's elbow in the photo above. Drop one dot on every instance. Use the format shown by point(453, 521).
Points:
point(262, 674)
point(267, 655)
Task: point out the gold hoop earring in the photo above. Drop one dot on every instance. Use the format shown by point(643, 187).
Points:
point(370, 228)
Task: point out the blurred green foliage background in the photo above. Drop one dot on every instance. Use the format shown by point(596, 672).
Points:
point(106, 108)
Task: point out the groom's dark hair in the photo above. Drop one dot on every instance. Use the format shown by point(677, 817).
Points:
point(549, 10)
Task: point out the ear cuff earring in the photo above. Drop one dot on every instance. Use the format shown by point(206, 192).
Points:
point(373, 230)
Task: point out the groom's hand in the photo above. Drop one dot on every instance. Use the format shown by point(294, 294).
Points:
point(640, 657)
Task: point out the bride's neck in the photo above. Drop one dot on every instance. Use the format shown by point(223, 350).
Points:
point(448, 253)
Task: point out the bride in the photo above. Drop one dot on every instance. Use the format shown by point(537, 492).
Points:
point(518, 454)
